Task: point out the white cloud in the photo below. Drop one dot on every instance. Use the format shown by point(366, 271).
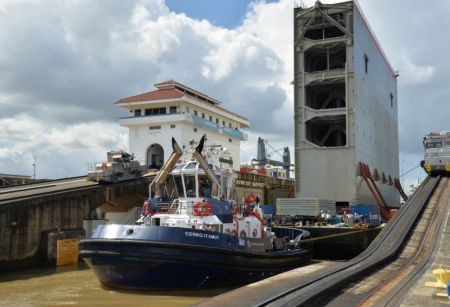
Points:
point(228, 49)
point(61, 151)
point(9, 154)
point(272, 24)
point(412, 73)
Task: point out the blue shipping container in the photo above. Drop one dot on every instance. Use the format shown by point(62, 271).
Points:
point(370, 213)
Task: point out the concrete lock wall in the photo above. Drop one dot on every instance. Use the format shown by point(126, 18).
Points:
point(24, 223)
point(29, 228)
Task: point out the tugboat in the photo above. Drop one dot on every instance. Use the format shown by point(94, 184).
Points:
point(191, 237)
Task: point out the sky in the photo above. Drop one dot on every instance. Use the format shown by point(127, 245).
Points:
point(64, 63)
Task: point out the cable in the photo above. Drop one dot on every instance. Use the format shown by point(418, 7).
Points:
point(407, 172)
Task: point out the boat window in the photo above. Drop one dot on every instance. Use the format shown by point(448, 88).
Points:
point(224, 182)
point(179, 185)
point(204, 186)
point(156, 221)
point(179, 166)
point(191, 165)
point(434, 144)
point(189, 181)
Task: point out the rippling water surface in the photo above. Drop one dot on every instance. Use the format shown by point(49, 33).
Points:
point(77, 285)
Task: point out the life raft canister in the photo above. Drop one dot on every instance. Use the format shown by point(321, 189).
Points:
point(202, 209)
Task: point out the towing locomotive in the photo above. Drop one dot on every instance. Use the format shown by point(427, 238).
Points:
point(120, 166)
point(437, 153)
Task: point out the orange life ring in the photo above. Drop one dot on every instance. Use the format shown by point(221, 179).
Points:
point(202, 209)
point(250, 199)
point(255, 232)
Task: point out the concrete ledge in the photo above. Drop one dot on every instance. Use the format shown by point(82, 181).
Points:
point(263, 290)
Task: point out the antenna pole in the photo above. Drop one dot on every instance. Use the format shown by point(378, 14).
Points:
point(34, 168)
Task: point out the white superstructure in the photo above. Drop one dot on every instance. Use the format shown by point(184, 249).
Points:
point(175, 110)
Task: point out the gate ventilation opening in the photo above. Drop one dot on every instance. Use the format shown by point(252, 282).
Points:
point(325, 57)
point(326, 95)
point(323, 32)
point(327, 131)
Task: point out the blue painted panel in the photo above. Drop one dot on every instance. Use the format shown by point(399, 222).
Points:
point(268, 211)
point(216, 127)
point(370, 213)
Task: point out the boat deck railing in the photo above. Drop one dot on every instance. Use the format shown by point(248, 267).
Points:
point(290, 232)
point(175, 207)
point(163, 207)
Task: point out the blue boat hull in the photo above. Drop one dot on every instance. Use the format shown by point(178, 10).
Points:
point(170, 257)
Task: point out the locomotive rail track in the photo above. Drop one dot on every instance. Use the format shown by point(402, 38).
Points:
point(51, 187)
point(390, 283)
point(382, 249)
point(311, 288)
point(45, 188)
point(40, 185)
